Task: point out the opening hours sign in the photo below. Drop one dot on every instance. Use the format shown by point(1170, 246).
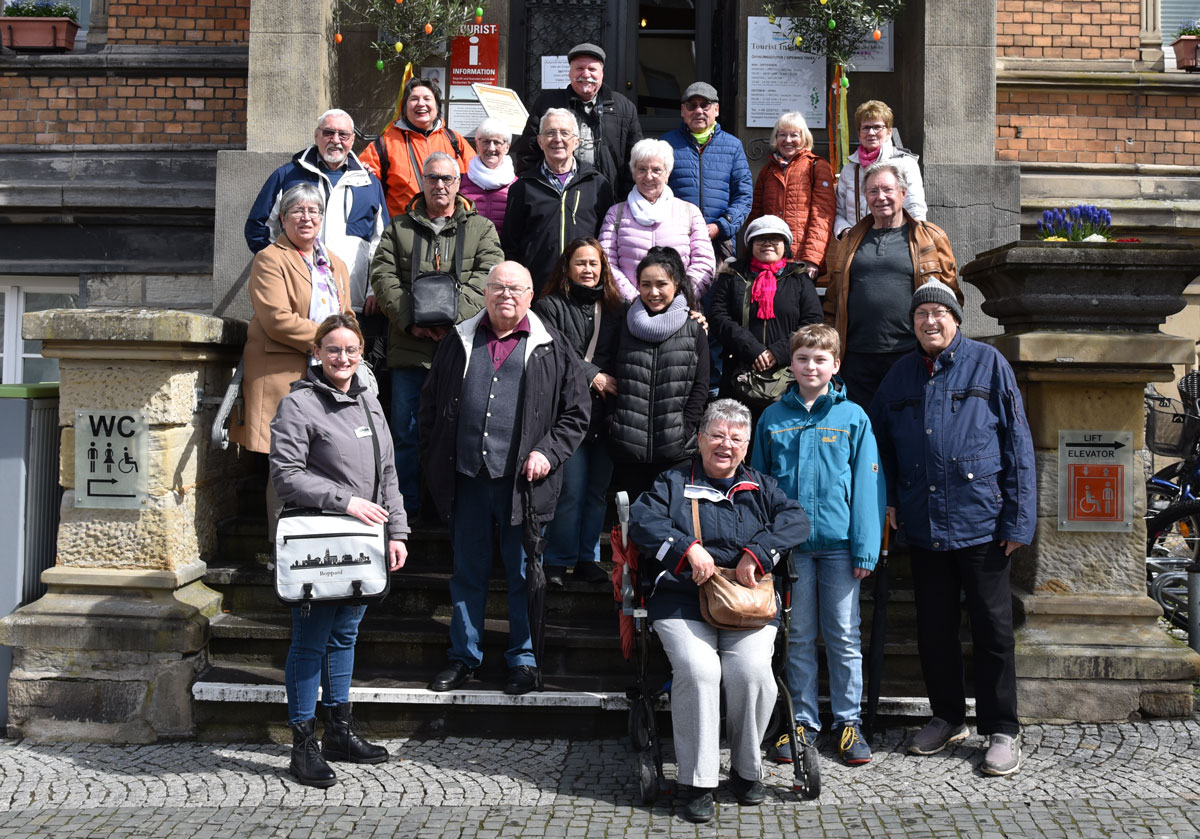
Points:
point(1095, 480)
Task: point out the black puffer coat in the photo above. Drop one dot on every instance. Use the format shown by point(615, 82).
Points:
point(661, 391)
point(573, 315)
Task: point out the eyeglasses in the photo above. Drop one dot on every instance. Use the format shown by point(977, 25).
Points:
point(330, 133)
point(930, 315)
point(793, 136)
point(335, 352)
point(484, 141)
point(558, 134)
point(440, 179)
point(651, 170)
point(697, 106)
point(873, 128)
point(498, 290)
point(304, 212)
point(885, 191)
point(736, 442)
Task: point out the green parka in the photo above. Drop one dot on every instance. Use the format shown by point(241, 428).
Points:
point(392, 271)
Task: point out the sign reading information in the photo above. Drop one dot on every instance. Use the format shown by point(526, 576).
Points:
point(1095, 480)
point(110, 459)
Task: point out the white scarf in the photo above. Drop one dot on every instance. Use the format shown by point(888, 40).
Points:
point(645, 213)
point(490, 179)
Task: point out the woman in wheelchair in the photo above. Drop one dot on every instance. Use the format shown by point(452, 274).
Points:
point(745, 523)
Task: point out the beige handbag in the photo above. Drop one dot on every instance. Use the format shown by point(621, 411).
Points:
point(727, 604)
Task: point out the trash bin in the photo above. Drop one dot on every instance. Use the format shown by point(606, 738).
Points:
point(30, 496)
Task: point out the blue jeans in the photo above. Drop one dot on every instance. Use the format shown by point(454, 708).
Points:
point(825, 594)
point(574, 535)
point(321, 654)
point(479, 504)
point(406, 400)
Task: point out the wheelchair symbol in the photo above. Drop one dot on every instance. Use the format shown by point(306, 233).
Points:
point(127, 464)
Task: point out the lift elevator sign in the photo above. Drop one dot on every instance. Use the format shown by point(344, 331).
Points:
point(110, 459)
point(1095, 480)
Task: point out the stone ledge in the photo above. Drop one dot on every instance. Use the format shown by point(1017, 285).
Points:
point(152, 60)
point(1141, 83)
point(169, 580)
point(1130, 350)
point(80, 327)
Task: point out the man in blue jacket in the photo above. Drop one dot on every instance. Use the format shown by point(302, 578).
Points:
point(355, 211)
point(710, 168)
point(958, 459)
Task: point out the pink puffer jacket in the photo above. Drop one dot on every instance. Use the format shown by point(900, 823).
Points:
point(489, 203)
point(683, 229)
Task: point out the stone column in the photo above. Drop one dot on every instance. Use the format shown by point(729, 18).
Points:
point(111, 651)
point(1089, 647)
point(1151, 48)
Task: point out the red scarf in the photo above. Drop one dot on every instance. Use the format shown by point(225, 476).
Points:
point(763, 290)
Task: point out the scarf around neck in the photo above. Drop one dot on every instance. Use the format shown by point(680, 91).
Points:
point(645, 213)
point(490, 179)
point(701, 139)
point(660, 327)
point(866, 158)
point(763, 290)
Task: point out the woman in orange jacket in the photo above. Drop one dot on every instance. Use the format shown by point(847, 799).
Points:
point(797, 186)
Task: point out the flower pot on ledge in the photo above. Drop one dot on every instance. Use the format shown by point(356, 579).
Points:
point(1083, 287)
point(1187, 52)
point(38, 33)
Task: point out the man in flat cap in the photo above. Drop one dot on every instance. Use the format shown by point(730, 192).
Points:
point(608, 122)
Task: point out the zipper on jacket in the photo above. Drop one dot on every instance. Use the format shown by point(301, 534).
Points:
point(562, 221)
point(650, 395)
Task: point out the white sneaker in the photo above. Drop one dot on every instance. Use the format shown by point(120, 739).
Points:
point(1003, 755)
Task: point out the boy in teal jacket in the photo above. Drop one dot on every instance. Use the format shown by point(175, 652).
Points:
point(820, 447)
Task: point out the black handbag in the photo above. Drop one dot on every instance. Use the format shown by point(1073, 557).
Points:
point(435, 293)
point(758, 389)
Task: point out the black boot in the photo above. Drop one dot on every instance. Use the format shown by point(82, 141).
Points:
point(341, 743)
point(308, 767)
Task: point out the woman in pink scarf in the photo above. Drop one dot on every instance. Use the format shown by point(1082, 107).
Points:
point(873, 122)
point(758, 302)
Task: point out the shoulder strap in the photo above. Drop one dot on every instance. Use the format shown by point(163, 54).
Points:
point(857, 212)
point(454, 142)
point(384, 163)
point(591, 347)
point(412, 158)
point(696, 520)
point(459, 244)
point(374, 445)
point(620, 212)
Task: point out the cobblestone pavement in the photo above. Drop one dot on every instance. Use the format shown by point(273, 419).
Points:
point(1136, 779)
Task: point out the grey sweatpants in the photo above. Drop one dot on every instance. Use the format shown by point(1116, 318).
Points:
point(702, 658)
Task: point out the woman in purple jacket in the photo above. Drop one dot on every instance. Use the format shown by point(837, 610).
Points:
point(490, 174)
point(653, 217)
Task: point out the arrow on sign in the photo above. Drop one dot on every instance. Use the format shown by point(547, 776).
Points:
point(1114, 445)
point(106, 494)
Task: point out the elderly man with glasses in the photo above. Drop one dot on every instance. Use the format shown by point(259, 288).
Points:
point(504, 406)
point(440, 234)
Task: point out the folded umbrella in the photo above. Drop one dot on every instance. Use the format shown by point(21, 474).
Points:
point(535, 576)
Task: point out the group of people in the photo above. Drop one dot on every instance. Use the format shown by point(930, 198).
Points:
point(557, 322)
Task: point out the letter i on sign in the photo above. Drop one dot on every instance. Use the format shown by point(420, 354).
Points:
point(474, 51)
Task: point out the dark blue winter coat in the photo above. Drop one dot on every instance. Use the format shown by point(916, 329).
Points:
point(716, 178)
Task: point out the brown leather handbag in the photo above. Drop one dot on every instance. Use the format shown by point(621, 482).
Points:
point(727, 604)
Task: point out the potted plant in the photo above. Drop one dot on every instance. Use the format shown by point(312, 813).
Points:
point(39, 25)
point(1187, 46)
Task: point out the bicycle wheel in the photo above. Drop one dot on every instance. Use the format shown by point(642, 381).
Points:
point(1175, 532)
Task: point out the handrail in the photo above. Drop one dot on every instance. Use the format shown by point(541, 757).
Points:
point(220, 434)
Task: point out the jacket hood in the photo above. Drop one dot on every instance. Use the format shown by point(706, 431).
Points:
point(310, 159)
point(538, 334)
point(314, 379)
point(834, 393)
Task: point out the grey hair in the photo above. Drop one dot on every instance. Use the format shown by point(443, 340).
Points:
point(434, 157)
point(335, 112)
point(301, 192)
point(557, 112)
point(492, 127)
point(887, 166)
point(725, 410)
point(651, 149)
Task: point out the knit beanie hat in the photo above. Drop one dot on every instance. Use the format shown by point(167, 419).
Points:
point(768, 226)
point(936, 291)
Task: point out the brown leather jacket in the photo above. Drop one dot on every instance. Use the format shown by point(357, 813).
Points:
point(932, 258)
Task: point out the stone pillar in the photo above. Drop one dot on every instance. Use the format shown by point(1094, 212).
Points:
point(1089, 647)
point(1151, 48)
point(290, 83)
point(111, 651)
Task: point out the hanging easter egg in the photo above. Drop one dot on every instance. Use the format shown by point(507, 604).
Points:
point(337, 39)
point(797, 40)
point(770, 18)
point(429, 29)
point(399, 2)
point(845, 83)
point(379, 65)
point(832, 25)
point(399, 46)
point(479, 18)
point(876, 34)
point(479, 11)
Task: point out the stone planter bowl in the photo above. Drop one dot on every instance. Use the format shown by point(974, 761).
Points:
point(1081, 286)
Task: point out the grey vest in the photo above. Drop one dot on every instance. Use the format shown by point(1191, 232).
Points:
point(489, 414)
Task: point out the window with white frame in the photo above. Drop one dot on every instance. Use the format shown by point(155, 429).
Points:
point(21, 360)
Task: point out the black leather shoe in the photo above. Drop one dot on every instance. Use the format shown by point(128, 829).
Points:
point(452, 677)
point(748, 793)
point(698, 806)
point(589, 572)
point(308, 766)
point(521, 679)
point(556, 575)
point(342, 743)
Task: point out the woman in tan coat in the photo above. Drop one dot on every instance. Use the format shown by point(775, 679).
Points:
point(294, 285)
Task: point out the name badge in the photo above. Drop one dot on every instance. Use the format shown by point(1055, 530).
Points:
point(362, 431)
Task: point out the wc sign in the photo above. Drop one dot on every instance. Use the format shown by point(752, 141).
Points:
point(1095, 480)
point(110, 459)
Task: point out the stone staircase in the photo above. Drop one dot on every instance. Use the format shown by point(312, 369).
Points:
point(403, 641)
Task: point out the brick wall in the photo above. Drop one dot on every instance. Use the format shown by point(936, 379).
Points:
point(197, 22)
point(76, 110)
point(1074, 126)
point(1081, 29)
